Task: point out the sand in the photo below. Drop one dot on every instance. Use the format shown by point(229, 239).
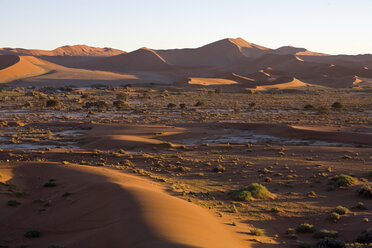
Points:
point(76, 50)
point(106, 208)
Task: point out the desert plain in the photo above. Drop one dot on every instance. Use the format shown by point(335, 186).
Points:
point(228, 145)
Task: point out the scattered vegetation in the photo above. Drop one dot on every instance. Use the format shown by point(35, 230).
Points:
point(341, 180)
point(305, 228)
point(254, 190)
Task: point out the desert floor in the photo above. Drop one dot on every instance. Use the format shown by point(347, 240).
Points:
point(141, 167)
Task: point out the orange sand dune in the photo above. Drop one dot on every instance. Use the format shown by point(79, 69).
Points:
point(8, 60)
point(293, 83)
point(105, 208)
point(219, 53)
point(237, 78)
point(30, 69)
point(76, 50)
point(123, 137)
point(210, 81)
point(27, 66)
point(297, 51)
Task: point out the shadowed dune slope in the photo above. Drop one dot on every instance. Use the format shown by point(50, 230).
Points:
point(219, 53)
point(8, 60)
point(106, 208)
point(143, 59)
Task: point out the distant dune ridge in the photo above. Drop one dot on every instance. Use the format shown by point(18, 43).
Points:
point(232, 63)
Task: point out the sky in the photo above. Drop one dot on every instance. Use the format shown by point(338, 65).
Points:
point(329, 26)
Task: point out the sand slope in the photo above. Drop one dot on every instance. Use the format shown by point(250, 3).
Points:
point(129, 136)
point(219, 53)
point(106, 209)
point(292, 83)
point(27, 66)
point(37, 71)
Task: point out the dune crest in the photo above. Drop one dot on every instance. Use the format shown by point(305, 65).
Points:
point(110, 209)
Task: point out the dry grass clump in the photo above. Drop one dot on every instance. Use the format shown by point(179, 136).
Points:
point(254, 190)
point(341, 180)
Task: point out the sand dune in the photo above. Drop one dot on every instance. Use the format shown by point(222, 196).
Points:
point(219, 53)
point(33, 70)
point(122, 137)
point(292, 83)
point(297, 51)
point(8, 60)
point(76, 50)
point(210, 81)
point(27, 66)
point(106, 208)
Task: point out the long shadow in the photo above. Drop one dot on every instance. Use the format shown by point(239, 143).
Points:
point(103, 215)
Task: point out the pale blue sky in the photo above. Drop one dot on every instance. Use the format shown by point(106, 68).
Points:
point(330, 26)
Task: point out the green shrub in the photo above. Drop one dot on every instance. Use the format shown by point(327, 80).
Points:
point(337, 105)
point(52, 103)
point(32, 234)
point(334, 216)
point(13, 203)
point(341, 210)
point(365, 237)
point(341, 180)
point(330, 243)
point(50, 183)
point(257, 232)
point(305, 228)
point(366, 191)
point(254, 190)
point(325, 234)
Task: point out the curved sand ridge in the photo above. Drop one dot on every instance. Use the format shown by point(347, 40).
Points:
point(293, 83)
point(106, 208)
point(210, 81)
point(27, 66)
point(33, 69)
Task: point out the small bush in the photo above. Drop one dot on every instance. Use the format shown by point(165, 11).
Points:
point(337, 105)
point(171, 105)
point(334, 217)
point(361, 206)
point(200, 104)
point(255, 190)
point(13, 203)
point(51, 103)
point(257, 232)
point(219, 168)
point(325, 234)
point(341, 180)
point(119, 104)
point(309, 106)
point(182, 106)
point(330, 243)
point(366, 191)
point(365, 237)
point(341, 210)
point(32, 234)
point(50, 183)
point(305, 228)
